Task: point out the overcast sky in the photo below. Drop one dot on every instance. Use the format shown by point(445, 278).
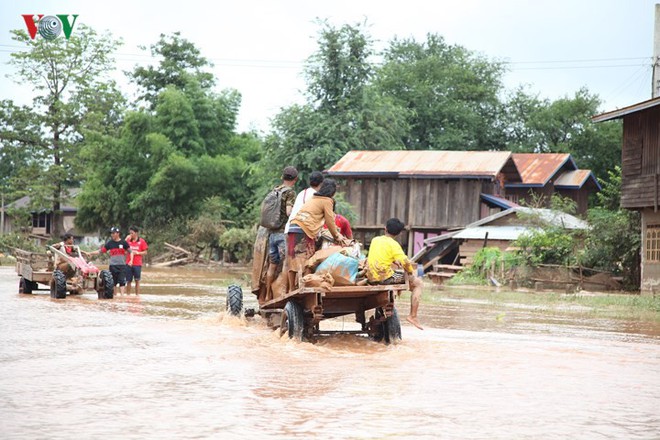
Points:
point(259, 47)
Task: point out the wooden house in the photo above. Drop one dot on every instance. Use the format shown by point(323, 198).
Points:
point(430, 191)
point(640, 184)
point(40, 224)
point(545, 174)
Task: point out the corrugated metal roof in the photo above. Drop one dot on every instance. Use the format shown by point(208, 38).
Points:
point(494, 232)
point(616, 114)
point(555, 218)
point(575, 179)
point(498, 201)
point(423, 163)
point(537, 168)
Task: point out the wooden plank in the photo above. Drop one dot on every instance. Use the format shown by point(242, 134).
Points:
point(335, 292)
point(427, 205)
point(442, 274)
point(449, 267)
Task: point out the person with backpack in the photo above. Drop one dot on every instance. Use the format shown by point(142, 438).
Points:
point(275, 211)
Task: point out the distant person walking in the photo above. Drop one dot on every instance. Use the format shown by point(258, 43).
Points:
point(134, 269)
point(118, 249)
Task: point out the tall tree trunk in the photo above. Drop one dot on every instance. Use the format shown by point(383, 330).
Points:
point(56, 226)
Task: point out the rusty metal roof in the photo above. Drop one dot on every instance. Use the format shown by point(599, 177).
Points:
point(615, 114)
point(576, 179)
point(537, 168)
point(428, 163)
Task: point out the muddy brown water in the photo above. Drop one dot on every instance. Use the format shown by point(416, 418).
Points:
point(170, 364)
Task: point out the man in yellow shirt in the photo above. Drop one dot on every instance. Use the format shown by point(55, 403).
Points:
point(385, 251)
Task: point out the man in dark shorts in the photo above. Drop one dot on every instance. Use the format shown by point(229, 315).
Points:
point(277, 238)
point(139, 248)
point(384, 251)
point(118, 249)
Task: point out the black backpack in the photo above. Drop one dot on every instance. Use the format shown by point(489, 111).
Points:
point(271, 210)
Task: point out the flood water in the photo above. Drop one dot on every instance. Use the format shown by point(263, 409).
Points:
point(170, 364)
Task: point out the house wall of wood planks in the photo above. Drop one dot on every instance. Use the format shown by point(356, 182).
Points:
point(429, 206)
point(419, 203)
point(640, 185)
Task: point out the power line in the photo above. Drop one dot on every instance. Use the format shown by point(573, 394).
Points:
point(249, 62)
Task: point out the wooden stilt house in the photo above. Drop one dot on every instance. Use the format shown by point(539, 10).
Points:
point(640, 181)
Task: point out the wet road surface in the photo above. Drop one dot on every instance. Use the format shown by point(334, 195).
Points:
point(170, 364)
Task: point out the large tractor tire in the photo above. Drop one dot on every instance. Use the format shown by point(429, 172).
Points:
point(105, 285)
point(25, 286)
point(58, 285)
point(292, 322)
point(234, 300)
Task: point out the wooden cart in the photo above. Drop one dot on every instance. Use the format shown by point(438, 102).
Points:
point(302, 310)
point(299, 312)
point(33, 269)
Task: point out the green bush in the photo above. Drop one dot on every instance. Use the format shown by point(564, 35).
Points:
point(488, 262)
point(239, 243)
point(613, 244)
point(547, 246)
point(10, 241)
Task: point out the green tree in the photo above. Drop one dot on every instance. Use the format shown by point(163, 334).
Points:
point(180, 61)
point(122, 167)
point(451, 94)
point(176, 120)
point(71, 95)
point(175, 154)
point(614, 241)
point(563, 126)
point(342, 111)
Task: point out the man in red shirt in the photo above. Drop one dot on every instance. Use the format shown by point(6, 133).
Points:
point(134, 270)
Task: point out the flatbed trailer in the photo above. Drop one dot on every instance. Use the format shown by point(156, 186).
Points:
point(302, 310)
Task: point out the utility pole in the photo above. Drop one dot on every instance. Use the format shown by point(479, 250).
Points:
point(2, 213)
point(655, 86)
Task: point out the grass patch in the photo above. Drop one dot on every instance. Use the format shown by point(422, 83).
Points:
point(616, 306)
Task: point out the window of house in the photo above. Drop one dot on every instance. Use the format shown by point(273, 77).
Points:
point(652, 244)
point(39, 220)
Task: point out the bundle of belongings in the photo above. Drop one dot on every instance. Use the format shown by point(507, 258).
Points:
point(336, 265)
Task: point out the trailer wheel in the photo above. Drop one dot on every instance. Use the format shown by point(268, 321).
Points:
point(234, 300)
point(292, 321)
point(24, 286)
point(58, 285)
point(105, 285)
